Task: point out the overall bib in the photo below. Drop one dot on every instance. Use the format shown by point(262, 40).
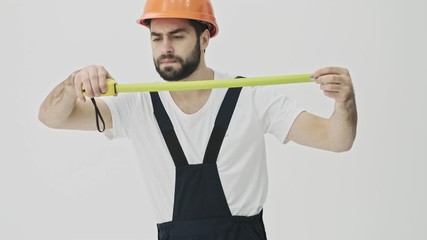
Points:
point(200, 209)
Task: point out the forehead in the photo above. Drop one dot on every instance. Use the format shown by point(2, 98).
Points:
point(168, 24)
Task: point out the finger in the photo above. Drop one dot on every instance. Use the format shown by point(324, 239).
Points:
point(103, 75)
point(331, 79)
point(333, 95)
point(337, 96)
point(330, 70)
point(86, 83)
point(78, 86)
point(338, 92)
point(94, 80)
point(331, 87)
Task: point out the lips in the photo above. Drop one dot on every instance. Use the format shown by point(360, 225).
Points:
point(168, 61)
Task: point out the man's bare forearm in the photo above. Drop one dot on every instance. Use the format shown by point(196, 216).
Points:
point(66, 106)
point(343, 126)
point(59, 104)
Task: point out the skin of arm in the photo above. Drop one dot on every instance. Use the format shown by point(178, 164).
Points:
point(66, 108)
point(337, 133)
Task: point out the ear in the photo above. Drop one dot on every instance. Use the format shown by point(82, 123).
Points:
point(204, 39)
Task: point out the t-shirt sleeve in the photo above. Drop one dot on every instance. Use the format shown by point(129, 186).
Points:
point(122, 109)
point(276, 111)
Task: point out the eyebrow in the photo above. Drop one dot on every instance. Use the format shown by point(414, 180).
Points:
point(178, 30)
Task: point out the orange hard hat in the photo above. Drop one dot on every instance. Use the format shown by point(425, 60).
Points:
point(200, 10)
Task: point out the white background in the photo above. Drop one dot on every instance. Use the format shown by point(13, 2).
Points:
point(71, 185)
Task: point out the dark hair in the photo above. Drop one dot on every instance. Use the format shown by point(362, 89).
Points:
point(198, 26)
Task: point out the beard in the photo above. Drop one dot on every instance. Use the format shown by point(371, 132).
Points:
point(188, 66)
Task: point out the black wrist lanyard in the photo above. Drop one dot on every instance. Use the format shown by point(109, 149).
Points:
point(98, 116)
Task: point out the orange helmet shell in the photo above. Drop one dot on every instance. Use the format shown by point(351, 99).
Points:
point(200, 10)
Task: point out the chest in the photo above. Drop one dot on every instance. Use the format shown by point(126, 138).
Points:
point(190, 104)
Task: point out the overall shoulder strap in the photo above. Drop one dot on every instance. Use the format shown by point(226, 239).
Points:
point(222, 122)
point(168, 131)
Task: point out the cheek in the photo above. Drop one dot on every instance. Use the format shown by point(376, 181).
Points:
point(185, 50)
point(155, 48)
point(156, 54)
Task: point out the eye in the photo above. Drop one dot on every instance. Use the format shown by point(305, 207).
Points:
point(178, 36)
point(156, 38)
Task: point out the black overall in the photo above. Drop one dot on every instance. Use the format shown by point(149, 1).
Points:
point(200, 208)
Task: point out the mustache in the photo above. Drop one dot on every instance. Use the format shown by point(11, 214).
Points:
point(169, 56)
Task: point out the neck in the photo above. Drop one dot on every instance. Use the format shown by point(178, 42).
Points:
point(193, 100)
point(201, 73)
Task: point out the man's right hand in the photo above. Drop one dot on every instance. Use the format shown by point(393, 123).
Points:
point(92, 79)
point(60, 108)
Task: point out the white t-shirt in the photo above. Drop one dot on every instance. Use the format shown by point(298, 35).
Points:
point(242, 158)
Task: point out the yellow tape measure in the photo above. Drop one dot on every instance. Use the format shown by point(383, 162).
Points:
point(113, 88)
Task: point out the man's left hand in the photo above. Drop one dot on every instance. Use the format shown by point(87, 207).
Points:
point(335, 82)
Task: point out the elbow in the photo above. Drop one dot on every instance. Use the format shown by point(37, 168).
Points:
point(43, 119)
point(46, 120)
point(342, 146)
point(342, 142)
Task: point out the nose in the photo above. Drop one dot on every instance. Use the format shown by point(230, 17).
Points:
point(166, 46)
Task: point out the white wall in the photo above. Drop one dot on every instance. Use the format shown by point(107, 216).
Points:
point(57, 184)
